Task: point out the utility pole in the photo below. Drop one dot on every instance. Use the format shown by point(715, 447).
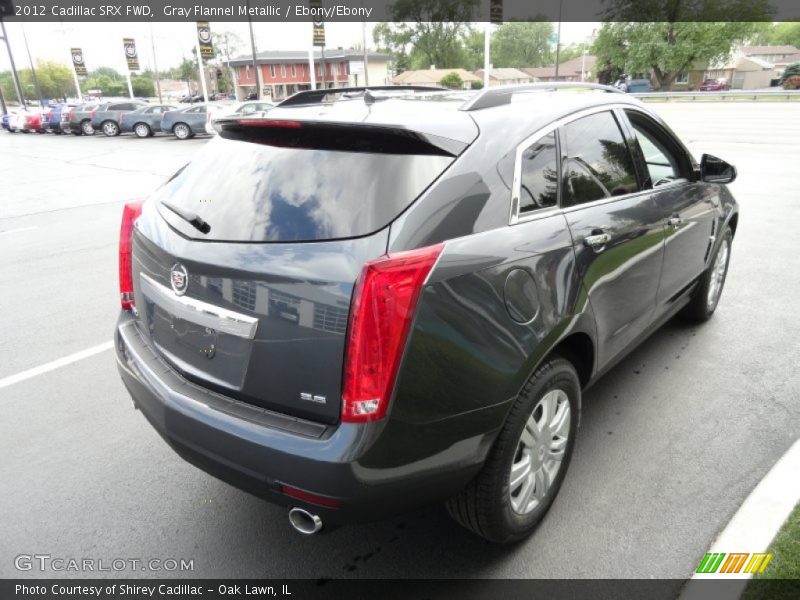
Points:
point(486, 58)
point(33, 69)
point(364, 44)
point(155, 65)
point(558, 37)
point(3, 102)
point(253, 50)
point(17, 86)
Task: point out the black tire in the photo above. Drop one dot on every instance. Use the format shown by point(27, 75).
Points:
point(701, 308)
point(110, 128)
point(86, 128)
point(142, 130)
point(485, 505)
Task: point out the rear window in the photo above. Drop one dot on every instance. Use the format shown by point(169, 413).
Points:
point(256, 192)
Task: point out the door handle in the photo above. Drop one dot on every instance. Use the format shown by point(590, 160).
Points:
point(597, 242)
point(674, 221)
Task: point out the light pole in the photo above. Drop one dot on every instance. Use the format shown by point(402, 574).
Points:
point(155, 64)
point(14, 75)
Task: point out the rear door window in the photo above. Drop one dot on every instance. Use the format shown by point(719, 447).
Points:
point(259, 192)
point(598, 163)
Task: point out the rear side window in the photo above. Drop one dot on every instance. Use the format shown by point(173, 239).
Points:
point(598, 163)
point(539, 175)
point(259, 192)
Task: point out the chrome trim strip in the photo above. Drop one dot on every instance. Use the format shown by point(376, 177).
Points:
point(515, 217)
point(197, 311)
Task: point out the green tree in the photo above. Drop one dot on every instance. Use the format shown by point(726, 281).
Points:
point(226, 44)
point(453, 81)
point(791, 76)
point(785, 33)
point(666, 49)
point(521, 44)
point(473, 44)
point(143, 85)
point(427, 32)
point(55, 81)
point(569, 52)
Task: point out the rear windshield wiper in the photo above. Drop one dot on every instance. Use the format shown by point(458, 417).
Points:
point(188, 216)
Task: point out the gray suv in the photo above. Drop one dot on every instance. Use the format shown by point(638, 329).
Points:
point(371, 300)
point(106, 117)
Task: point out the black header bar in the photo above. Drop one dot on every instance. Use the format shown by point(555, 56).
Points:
point(390, 10)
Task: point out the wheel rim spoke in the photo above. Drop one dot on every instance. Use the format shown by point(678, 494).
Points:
point(519, 472)
point(542, 483)
point(524, 497)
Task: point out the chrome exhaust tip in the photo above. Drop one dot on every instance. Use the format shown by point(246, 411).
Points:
point(304, 522)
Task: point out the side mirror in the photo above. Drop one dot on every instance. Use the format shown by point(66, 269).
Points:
point(716, 170)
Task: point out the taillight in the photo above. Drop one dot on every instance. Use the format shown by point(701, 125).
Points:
point(91, 114)
point(129, 214)
point(381, 312)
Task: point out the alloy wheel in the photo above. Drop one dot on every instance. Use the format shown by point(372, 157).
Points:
point(540, 451)
point(718, 272)
point(86, 128)
point(182, 131)
point(110, 128)
point(142, 130)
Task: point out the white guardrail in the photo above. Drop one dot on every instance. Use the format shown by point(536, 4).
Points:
point(732, 94)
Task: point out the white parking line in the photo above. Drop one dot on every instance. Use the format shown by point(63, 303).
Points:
point(56, 364)
point(19, 229)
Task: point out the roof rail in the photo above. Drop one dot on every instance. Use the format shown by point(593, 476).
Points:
point(318, 96)
point(500, 95)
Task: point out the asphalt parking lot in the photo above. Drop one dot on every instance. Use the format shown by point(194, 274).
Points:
point(672, 440)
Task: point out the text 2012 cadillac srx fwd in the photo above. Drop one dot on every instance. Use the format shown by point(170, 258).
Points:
point(370, 300)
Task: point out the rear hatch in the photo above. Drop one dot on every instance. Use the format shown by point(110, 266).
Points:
point(245, 261)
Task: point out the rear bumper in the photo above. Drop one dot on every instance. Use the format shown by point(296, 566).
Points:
point(358, 466)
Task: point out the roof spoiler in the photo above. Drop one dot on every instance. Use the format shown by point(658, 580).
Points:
point(331, 135)
point(501, 95)
point(318, 96)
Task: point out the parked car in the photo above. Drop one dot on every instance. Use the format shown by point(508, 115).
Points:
point(243, 108)
point(191, 99)
point(28, 120)
point(58, 116)
point(188, 122)
point(6, 120)
point(79, 119)
point(144, 121)
point(400, 303)
point(715, 85)
point(106, 117)
point(634, 86)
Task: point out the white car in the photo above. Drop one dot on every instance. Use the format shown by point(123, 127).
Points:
point(243, 108)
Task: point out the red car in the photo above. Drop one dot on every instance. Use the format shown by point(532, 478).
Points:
point(715, 85)
point(28, 121)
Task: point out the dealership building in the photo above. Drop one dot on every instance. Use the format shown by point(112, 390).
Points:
point(283, 73)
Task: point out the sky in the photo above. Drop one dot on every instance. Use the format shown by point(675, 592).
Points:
point(102, 42)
